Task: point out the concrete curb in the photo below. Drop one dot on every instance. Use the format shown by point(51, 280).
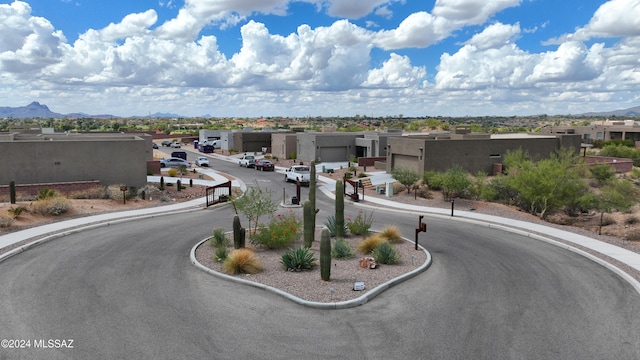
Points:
point(314, 304)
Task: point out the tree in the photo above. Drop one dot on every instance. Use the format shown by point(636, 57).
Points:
point(407, 177)
point(547, 185)
point(619, 194)
point(602, 173)
point(256, 202)
point(455, 182)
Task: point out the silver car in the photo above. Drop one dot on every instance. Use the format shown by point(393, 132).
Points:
point(202, 161)
point(174, 162)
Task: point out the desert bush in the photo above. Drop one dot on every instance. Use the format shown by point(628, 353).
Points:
point(96, 192)
point(14, 212)
point(385, 253)
point(241, 261)
point(608, 220)
point(392, 233)
point(423, 192)
point(633, 235)
point(368, 244)
point(298, 259)
point(362, 175)
point(361, 224)
point(165, 198)
point(631, 220)
point(51, 206)
point(219, 238)
point(149, 190)
point(221, 254)
point(172, 172)
point(280, 232)
point(330, 223)
point(342, 250)
point(5, 221)
point(46, 193)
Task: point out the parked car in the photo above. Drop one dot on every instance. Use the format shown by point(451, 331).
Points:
point(247, 161)
point(166, 143)
point(174, 162)
point(155, 146)
point(202, 161)
point(264, 165)
point(299, 173)
point(179, 154)
point(175, 144)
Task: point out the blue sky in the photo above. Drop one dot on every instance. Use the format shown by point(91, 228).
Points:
point(321, 57)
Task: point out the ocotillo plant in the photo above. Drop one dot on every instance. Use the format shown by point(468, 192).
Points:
point(325, 255)
point(12, 191)
point(237, 231)
point(339, 209)
point(309, 228)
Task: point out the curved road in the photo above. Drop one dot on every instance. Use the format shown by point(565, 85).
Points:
point(129, 291)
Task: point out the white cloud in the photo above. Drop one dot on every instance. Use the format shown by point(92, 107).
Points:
point(395, 72)
point(495, 36)
point(468, 12)
point(615, 18)
point(131, 25)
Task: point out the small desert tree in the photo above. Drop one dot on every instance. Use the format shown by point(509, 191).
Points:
point(618, 194)
point(255, 203)
point(407, 177)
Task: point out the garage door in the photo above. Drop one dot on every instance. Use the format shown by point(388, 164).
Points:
point(405, 161)
point(331, 154)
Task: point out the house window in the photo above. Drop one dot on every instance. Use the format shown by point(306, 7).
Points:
point(495, 156)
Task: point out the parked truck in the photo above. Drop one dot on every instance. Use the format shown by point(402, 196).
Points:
point(300, 173)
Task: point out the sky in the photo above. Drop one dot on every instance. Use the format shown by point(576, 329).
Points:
point(298, 58)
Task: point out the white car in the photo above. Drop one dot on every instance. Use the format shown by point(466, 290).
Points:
point(202, 161)
point(247, 161)
point(175, 144)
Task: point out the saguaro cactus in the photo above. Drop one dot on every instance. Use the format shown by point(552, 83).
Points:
point(238, 232)
point(339, 209)
point(325, 255)
point(312, 190)
point(309, 227)
point(161, 182)
point(179, 185)
point(12, 191)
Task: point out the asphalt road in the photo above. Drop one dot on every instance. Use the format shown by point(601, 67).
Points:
point(129, 291)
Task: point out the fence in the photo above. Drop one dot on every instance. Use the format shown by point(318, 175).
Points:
point(219, 193)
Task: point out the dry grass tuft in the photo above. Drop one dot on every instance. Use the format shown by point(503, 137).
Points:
point(241, 261)
point(392, 233)
point(369, 243)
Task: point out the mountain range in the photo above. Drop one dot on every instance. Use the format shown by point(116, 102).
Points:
point(37, 110)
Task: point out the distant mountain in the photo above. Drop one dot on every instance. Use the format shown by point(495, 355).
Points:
point(634, 111)
point(33, 110)
point(37, 110)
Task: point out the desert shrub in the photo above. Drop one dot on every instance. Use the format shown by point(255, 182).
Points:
point(51, 206)
point(633, 235)
point(298, 259)
point(392, 233)
point(165, 198)
point(631, 220)
point(149, 190)
point(172, 172)
point(608, 220)
point(280, 232)
point(423, 192)
point(385, 253)
point(219, 238)
point(96, 192)
point(342, 250)
point(14, 212)
point(221, 254)
point(46, 193)
point(362, 175)
point(5, 221)
point(361, 224)
point(241, 261)
point(348, 175)
point(398, 187)
point(330, 223)
point(369, 243)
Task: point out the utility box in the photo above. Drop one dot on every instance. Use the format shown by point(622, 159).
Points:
point(389, 189)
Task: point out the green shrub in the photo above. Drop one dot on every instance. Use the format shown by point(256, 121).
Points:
point(361, 224)
point(342, 250)
point(219, 238)
point(46, 193)
point(221, 254)
point(385, 253)
point(14, 212)
point(330, 223)
point(241, 261)
point(362, 175)
point(281, 232)
point(298, 259)
point(51, 206)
